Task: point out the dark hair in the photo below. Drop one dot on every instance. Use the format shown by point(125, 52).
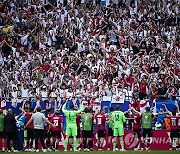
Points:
point(117, 107)
point(111, 109)
point(102, 110)
point(38, 109)
point(174, 113)
point(31, 109)
point(48, 110)
point(71, 107)
point(148, 109)
point(86, 110)
point(57, 113)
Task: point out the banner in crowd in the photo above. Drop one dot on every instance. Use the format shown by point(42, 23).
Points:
point(118, 99)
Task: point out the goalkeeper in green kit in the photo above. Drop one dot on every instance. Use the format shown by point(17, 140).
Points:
point(71, 126)
point(118, 129)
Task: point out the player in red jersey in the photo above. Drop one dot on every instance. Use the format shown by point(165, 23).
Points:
point(30, 128)
point(56, 131)
point(100, 120)
point(174, 125)
point(136, 126)
point(174, 134)
point(47, 129)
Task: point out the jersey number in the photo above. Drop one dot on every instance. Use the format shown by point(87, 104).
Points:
point(69, 116)
point(55, 122)
point(173, 122)
point(99, 121)
point(116, 117)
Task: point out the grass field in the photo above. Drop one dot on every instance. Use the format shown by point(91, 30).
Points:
point(108, 152)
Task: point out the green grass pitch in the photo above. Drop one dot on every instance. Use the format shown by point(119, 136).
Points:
point(107, 152)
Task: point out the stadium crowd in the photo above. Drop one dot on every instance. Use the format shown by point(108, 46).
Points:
point(77, 48)
point(87, 49)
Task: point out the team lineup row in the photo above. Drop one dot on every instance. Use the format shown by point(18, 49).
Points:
point(50, 127)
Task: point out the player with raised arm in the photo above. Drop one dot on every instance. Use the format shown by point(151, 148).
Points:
point(48, 132)
point(174, 126)
point(119, 119)
point(56, 131)
point(87, 131)
point(100, 120)
point(136, 126)
point(71, 126)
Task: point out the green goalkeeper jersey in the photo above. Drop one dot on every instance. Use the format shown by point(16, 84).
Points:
point(87, 121)
point(118, 119)
point(1, 123)
point(71, 115)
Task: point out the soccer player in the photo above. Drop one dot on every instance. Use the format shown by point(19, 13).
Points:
point(147, 118)
point(174, 125)
point(71, 126)
point(2, 133)
point(30, 128)
point(49, 115)
point(100, 120)
point(56, 131)
point(136, 126)
point(174, 135)
point(119, 119)
point(87, 131)
point(110, 129)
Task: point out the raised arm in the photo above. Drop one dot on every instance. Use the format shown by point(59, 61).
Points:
point(169, 112)
point(30, 120)
point(64, 108)
point(80, 109)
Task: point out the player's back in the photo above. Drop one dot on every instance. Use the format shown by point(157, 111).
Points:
point(118, 119)
point(174, 120)
point(70, 117)
point(147, 118)
point(100, 120)
point(56, 120)
point(87, 120)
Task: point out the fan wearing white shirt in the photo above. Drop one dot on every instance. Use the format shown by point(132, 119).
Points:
point(14, 95)
point(24, 92)
point(44, 93)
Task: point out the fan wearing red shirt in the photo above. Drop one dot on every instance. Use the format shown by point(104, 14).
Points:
point(100, 120)
point(47, 129)
point(174, 134)
point(143, 86)
point(136, 126)
point(56, 131)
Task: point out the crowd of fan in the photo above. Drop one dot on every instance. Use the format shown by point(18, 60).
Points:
point(89, 48)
